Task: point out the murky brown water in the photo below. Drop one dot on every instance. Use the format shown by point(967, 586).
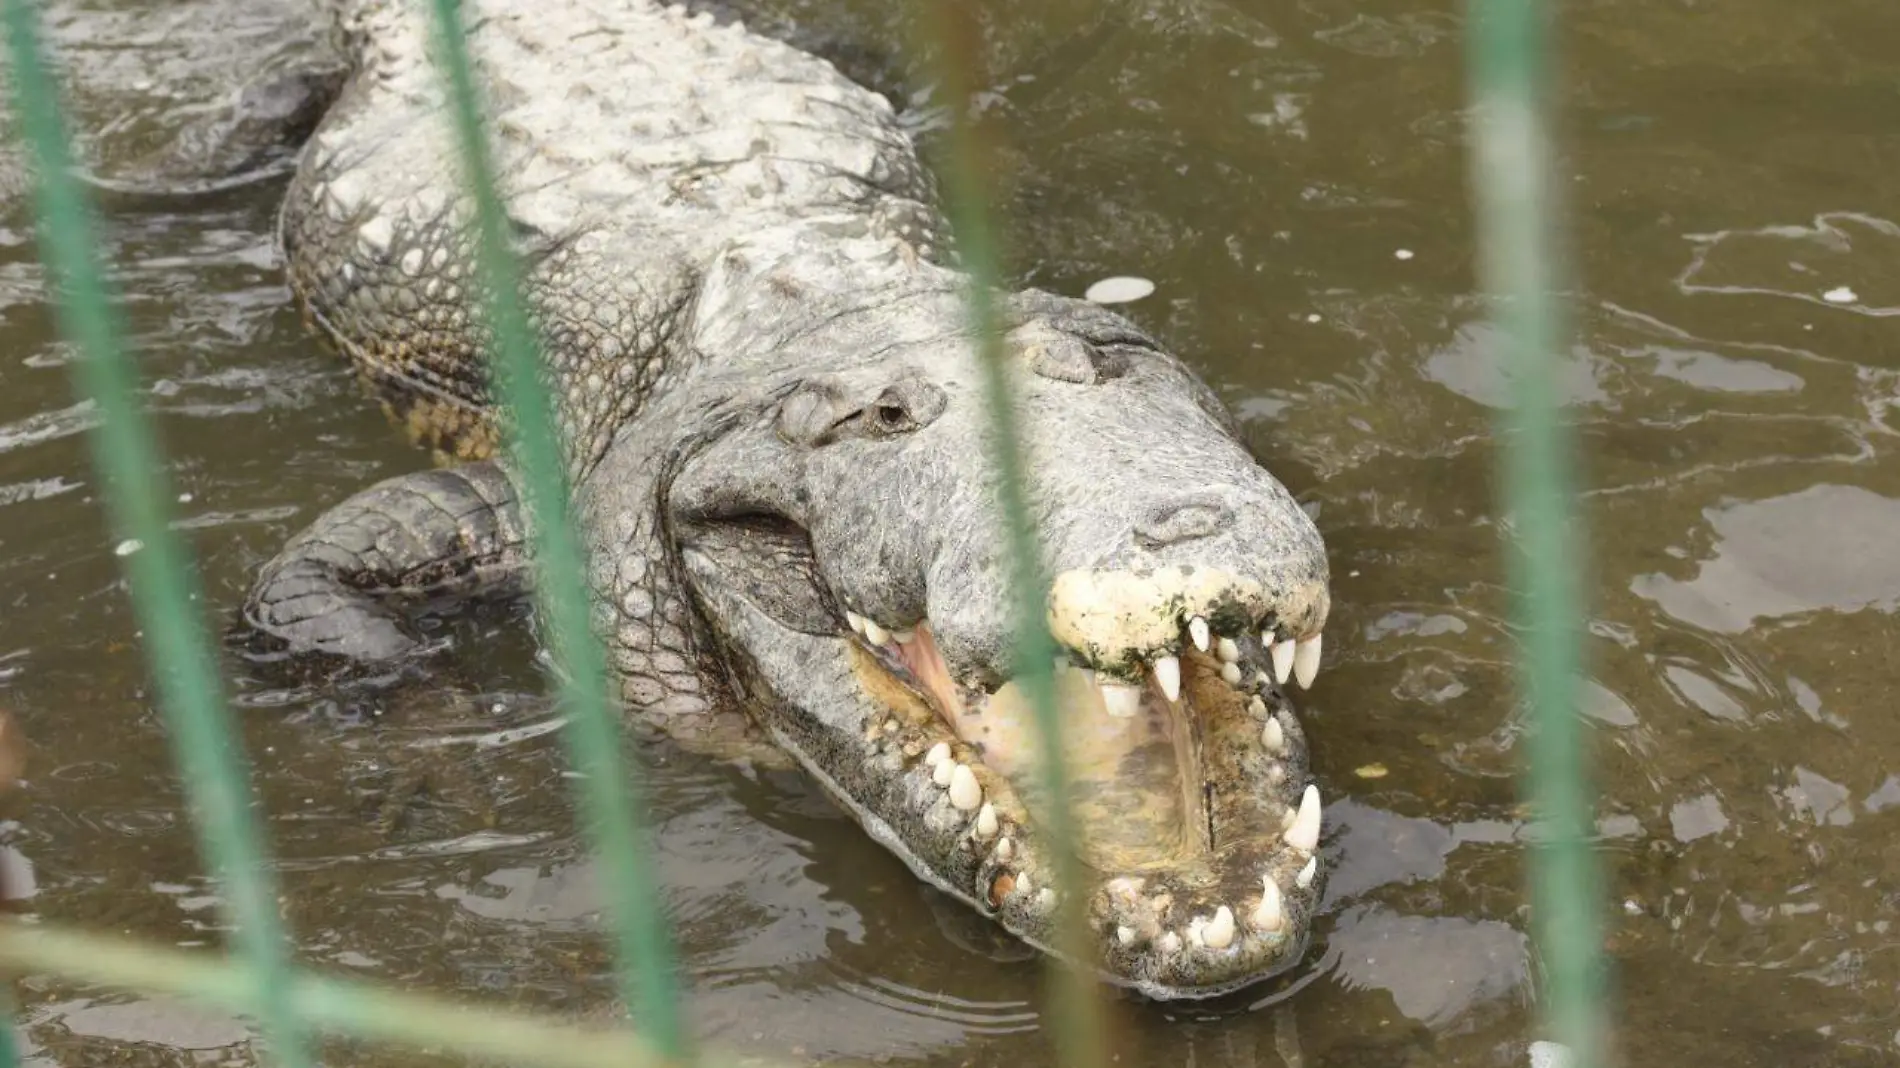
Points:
point(1728, 163)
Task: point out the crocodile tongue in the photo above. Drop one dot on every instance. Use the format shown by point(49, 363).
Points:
point(1136, 791)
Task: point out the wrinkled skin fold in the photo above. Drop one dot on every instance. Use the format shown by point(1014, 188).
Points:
point(773, 420)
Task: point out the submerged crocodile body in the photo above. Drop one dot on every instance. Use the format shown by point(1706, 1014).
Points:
point(772, 414)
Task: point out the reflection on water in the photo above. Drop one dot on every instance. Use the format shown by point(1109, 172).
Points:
point(1825, 547)
point(1262, 164)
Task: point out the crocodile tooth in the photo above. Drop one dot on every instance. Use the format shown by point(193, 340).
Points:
point(1306, 661)
point(986, 825)
point(1304, 880)
point(965, 792)
point(1283, 655)
point(937, 755)
point(856, 621)
point(1168, 674)
point(1257, 706)
point(1125, 935)
point(1197, 630)
point(1023, 886)
point(1123, 702)
point(1229, 652)
point(1005, 849)
point(1219, 932)
point(1230, 674)
point(1274, 736)
point(1169, 943)
point(941, 771)
point(1272, 913)
point(875, 634)
point(1304, 834)
point(904, 637)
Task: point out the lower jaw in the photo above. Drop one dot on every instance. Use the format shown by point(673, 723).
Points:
point(966, 831)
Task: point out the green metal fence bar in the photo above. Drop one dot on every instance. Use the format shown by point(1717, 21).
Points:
point(1078, 1028)
point(1519, 267)
point(362, 1010)
point(164, 584)
point(593, 737)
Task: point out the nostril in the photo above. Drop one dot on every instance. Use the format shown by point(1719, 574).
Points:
point(1182, 523)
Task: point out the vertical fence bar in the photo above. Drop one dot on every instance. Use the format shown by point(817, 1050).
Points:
point(1507, 64)
point(163, 582)
point(613, 822)
point(1079, 1022)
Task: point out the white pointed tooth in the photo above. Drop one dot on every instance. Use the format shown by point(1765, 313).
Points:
point(1227, 650)
point(1194, 932)
point(1304, 834)
point(1197, 630)
point(856, 621)
point(1272, 913)
point(1230, 674)
point(1005, 849)
point(941, 771)
point(937, 755)
point(904, 637)
point(1283, 654)
point(1125, 935)
point(1306, 661)
point(1304, 880)
point(875, 634)
point(1023, 885)
point(965, 792)
point(1257, 706)
point(1219, 932)
point(1169, 943)
point(1168, 674)
point(1263, 680)
point(1124, 702)
point(1274, 736)
point(986, 825)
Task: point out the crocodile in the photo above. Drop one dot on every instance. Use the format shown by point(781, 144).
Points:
point(771, 410)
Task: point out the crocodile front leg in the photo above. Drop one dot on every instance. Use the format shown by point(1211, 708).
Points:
point(342, 586)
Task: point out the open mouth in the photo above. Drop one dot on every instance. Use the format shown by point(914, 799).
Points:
point(1195, 825)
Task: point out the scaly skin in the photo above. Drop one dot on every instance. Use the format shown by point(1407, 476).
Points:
point(774, 426)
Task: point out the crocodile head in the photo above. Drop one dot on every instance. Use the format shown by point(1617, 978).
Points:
point(840, 537)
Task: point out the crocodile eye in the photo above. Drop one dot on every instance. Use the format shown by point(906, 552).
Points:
point(903, 406)
point(892, 418)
